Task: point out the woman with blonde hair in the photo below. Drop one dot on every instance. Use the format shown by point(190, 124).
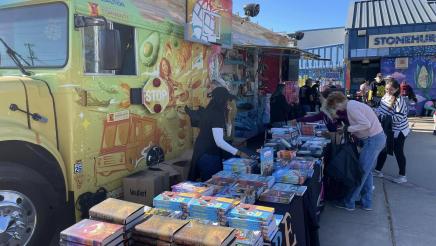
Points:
point(365, 126)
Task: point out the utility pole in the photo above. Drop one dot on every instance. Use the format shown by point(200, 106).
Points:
point(31, 56)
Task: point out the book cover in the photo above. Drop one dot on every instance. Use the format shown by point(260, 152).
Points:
point(92, 232)
point(266, 161)
point(276, 196)
point(193, 187)
point(159, 227)
point(299, 190)
point(199, 234)
point(247, 237)
point(174, 201)
point(290, 176)
point(117, 211)
point(254, 212)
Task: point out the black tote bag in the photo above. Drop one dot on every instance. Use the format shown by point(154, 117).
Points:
point(344, 162)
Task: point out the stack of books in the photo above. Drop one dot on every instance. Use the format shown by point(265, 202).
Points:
point(126, 214)
point(256, 180)
point(256, 218)
point(174, 201)
point(242, 192)
point(158, 230)
point(298, 190)
point(296, 164)
point(282, 193)
point(239, 165)
point(212, 209)
point(93, 233)
point(248, 238)
point(285, 133)
point(289, 176)
point(195, 233)
point(225, 176)
point(193, 187)
point(276, 196)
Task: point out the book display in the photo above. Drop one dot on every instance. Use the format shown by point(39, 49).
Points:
point(244, 204)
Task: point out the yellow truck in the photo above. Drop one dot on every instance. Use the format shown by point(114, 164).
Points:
point(85, 88)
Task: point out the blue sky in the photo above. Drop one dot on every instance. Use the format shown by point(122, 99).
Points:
point(294, 15)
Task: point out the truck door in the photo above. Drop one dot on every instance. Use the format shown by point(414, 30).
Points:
point(110, 131)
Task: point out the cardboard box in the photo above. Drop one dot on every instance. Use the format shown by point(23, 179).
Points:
point(182, 164)
point(174, 175)
point(142, 187)
point(183, 168)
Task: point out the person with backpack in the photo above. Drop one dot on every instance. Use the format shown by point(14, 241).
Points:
point(394, 105)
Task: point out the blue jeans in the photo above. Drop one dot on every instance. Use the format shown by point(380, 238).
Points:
point(372, 147)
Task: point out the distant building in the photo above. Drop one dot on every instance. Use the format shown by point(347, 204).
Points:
point(395, 37)
point(328, 43)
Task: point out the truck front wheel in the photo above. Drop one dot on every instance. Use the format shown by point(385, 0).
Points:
point(25, 209)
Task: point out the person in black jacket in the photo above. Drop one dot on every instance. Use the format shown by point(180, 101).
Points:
point(377, 90)
point(306, 96)
point(208, 147)
point(279, 107)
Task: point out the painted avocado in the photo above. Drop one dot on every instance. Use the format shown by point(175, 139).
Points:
point(150, 49)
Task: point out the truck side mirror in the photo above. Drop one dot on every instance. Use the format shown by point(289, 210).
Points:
point(85, 21)
point(110, 49)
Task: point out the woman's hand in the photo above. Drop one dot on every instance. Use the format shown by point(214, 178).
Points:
point(242, 155)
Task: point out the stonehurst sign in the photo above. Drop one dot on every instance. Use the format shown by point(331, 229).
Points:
point(402, 40)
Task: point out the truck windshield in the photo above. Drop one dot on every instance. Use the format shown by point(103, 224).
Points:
point(38, 33)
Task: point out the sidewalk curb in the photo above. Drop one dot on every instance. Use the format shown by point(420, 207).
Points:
point(389, 214)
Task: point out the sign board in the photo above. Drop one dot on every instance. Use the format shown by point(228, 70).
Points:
point(118, 116)
point(402, 40)
point(155, 96)
point(402, 63)
point(209, 22)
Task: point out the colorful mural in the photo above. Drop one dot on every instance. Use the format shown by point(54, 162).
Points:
point(209, 21)
point(419, 74)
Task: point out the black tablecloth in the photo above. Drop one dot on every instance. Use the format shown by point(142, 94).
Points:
point(302, 211)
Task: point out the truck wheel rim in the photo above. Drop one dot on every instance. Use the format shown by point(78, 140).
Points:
point(17, 218)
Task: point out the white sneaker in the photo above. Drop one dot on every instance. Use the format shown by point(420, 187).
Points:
point(377, 173)
point(400, 179)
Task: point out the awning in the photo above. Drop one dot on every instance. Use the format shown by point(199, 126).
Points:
point(293, 51)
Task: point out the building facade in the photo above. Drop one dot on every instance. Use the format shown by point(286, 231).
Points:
point(328, 43)
point(396, 38)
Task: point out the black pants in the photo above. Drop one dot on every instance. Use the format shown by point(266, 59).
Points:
point(208, 165)
point(399, 155)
